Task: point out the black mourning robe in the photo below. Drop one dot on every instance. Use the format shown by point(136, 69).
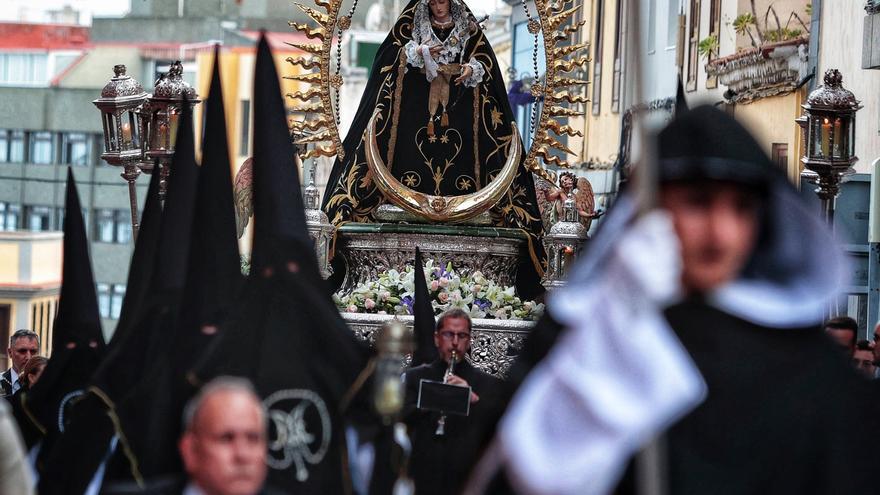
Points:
point(460, 159)
point(785, 413)
point(440, 464)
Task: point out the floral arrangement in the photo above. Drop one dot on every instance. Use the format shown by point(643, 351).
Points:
point(393, 293)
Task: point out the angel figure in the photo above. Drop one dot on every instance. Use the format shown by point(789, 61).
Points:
point(584, 199)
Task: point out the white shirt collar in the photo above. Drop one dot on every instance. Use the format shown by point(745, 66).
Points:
point(192, 489)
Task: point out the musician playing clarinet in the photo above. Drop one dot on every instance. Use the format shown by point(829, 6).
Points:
point(444, 445)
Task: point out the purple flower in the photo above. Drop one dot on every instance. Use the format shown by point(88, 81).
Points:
point(441, 272)
point(408, 302)
point(482, 304)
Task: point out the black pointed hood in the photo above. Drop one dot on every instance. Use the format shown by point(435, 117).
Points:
point(279, 215)
point(68, 466)
point(151, 415)
point(77, 339)
point(140, 270)
point(681, 104)
point(285, 333)
point(423, 317)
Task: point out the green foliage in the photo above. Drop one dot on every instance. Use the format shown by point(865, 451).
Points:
point(783, 34)
point(708, 46)
point(743, 22)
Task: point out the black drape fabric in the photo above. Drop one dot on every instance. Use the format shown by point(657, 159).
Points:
point(449, 163)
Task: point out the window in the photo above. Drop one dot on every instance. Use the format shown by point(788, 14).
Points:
point(110, 298)
point(652, 26)
point(9, 216)
point(4, 145)
point(113, 226)
point(597, 59)
point(75, 149)
point(42, 147)
point(25, 69)
point(38, 218)
point(16, 147)
point(780, 155)
point(116, 298)
point(714, 30)
point(672, 25)
point(693, 42)
point(245, 139)
point(618, 63)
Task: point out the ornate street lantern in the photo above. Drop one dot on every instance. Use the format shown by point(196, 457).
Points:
point(120, 104)
point(563, 243)
point(171, 96)
point(319, 226)
point(829, 130)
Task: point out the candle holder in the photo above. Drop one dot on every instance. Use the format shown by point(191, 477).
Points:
point(828, 127)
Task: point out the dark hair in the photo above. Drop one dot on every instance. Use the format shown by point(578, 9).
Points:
point(31, 367)
point(453, 313)
point(842, 323)
point(23, 334)
point(863, 345)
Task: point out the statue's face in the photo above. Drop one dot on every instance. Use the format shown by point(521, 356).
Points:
point(566, 182)
point(439, 9)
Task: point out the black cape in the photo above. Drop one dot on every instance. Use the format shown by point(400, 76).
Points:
point(785, 412)
point(449, 165)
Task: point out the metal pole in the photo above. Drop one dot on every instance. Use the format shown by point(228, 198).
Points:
point(131, 174)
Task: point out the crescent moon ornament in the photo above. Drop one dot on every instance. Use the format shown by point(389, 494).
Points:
point(442, 208)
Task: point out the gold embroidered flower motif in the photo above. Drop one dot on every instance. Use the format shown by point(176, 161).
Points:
point(409, 180)
point(496, 118)
point(464, 184)
point(444, 139)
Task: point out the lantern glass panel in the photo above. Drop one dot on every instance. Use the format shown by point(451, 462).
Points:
point(821, 137)
point(850, 133)
point(110, 144)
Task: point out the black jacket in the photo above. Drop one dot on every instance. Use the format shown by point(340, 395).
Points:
point(440, 464)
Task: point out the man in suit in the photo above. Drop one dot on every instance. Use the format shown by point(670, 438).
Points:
point(440, 463)
point(23, 344)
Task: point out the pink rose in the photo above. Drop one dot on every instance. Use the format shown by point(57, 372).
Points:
point(443, 297)
point(443, 281)
point(434, 285)
point(369, 303)
point(351, 308)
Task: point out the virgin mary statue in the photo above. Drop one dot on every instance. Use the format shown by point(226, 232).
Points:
point(443, 126)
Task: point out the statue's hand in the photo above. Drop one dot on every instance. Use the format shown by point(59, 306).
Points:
point(435, 51)
point(466, 72)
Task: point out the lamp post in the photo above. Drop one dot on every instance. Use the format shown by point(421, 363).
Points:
point(120, 106)
point(171, 96)
point(829, 130)
point(140, 129)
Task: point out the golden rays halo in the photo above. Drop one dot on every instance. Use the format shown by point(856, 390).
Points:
point(561, 88)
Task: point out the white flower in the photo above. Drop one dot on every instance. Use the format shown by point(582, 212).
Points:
point(443, 297)
point(500, 314)
point(384, 295)
point(382, 312)
point(443, 282)
point(455, 296)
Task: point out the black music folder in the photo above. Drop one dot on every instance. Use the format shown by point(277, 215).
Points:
point(443, 397)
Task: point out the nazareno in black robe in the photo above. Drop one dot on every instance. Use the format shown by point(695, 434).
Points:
point(448, 165)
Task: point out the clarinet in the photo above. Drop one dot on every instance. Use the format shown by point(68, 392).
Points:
point(441, 423)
